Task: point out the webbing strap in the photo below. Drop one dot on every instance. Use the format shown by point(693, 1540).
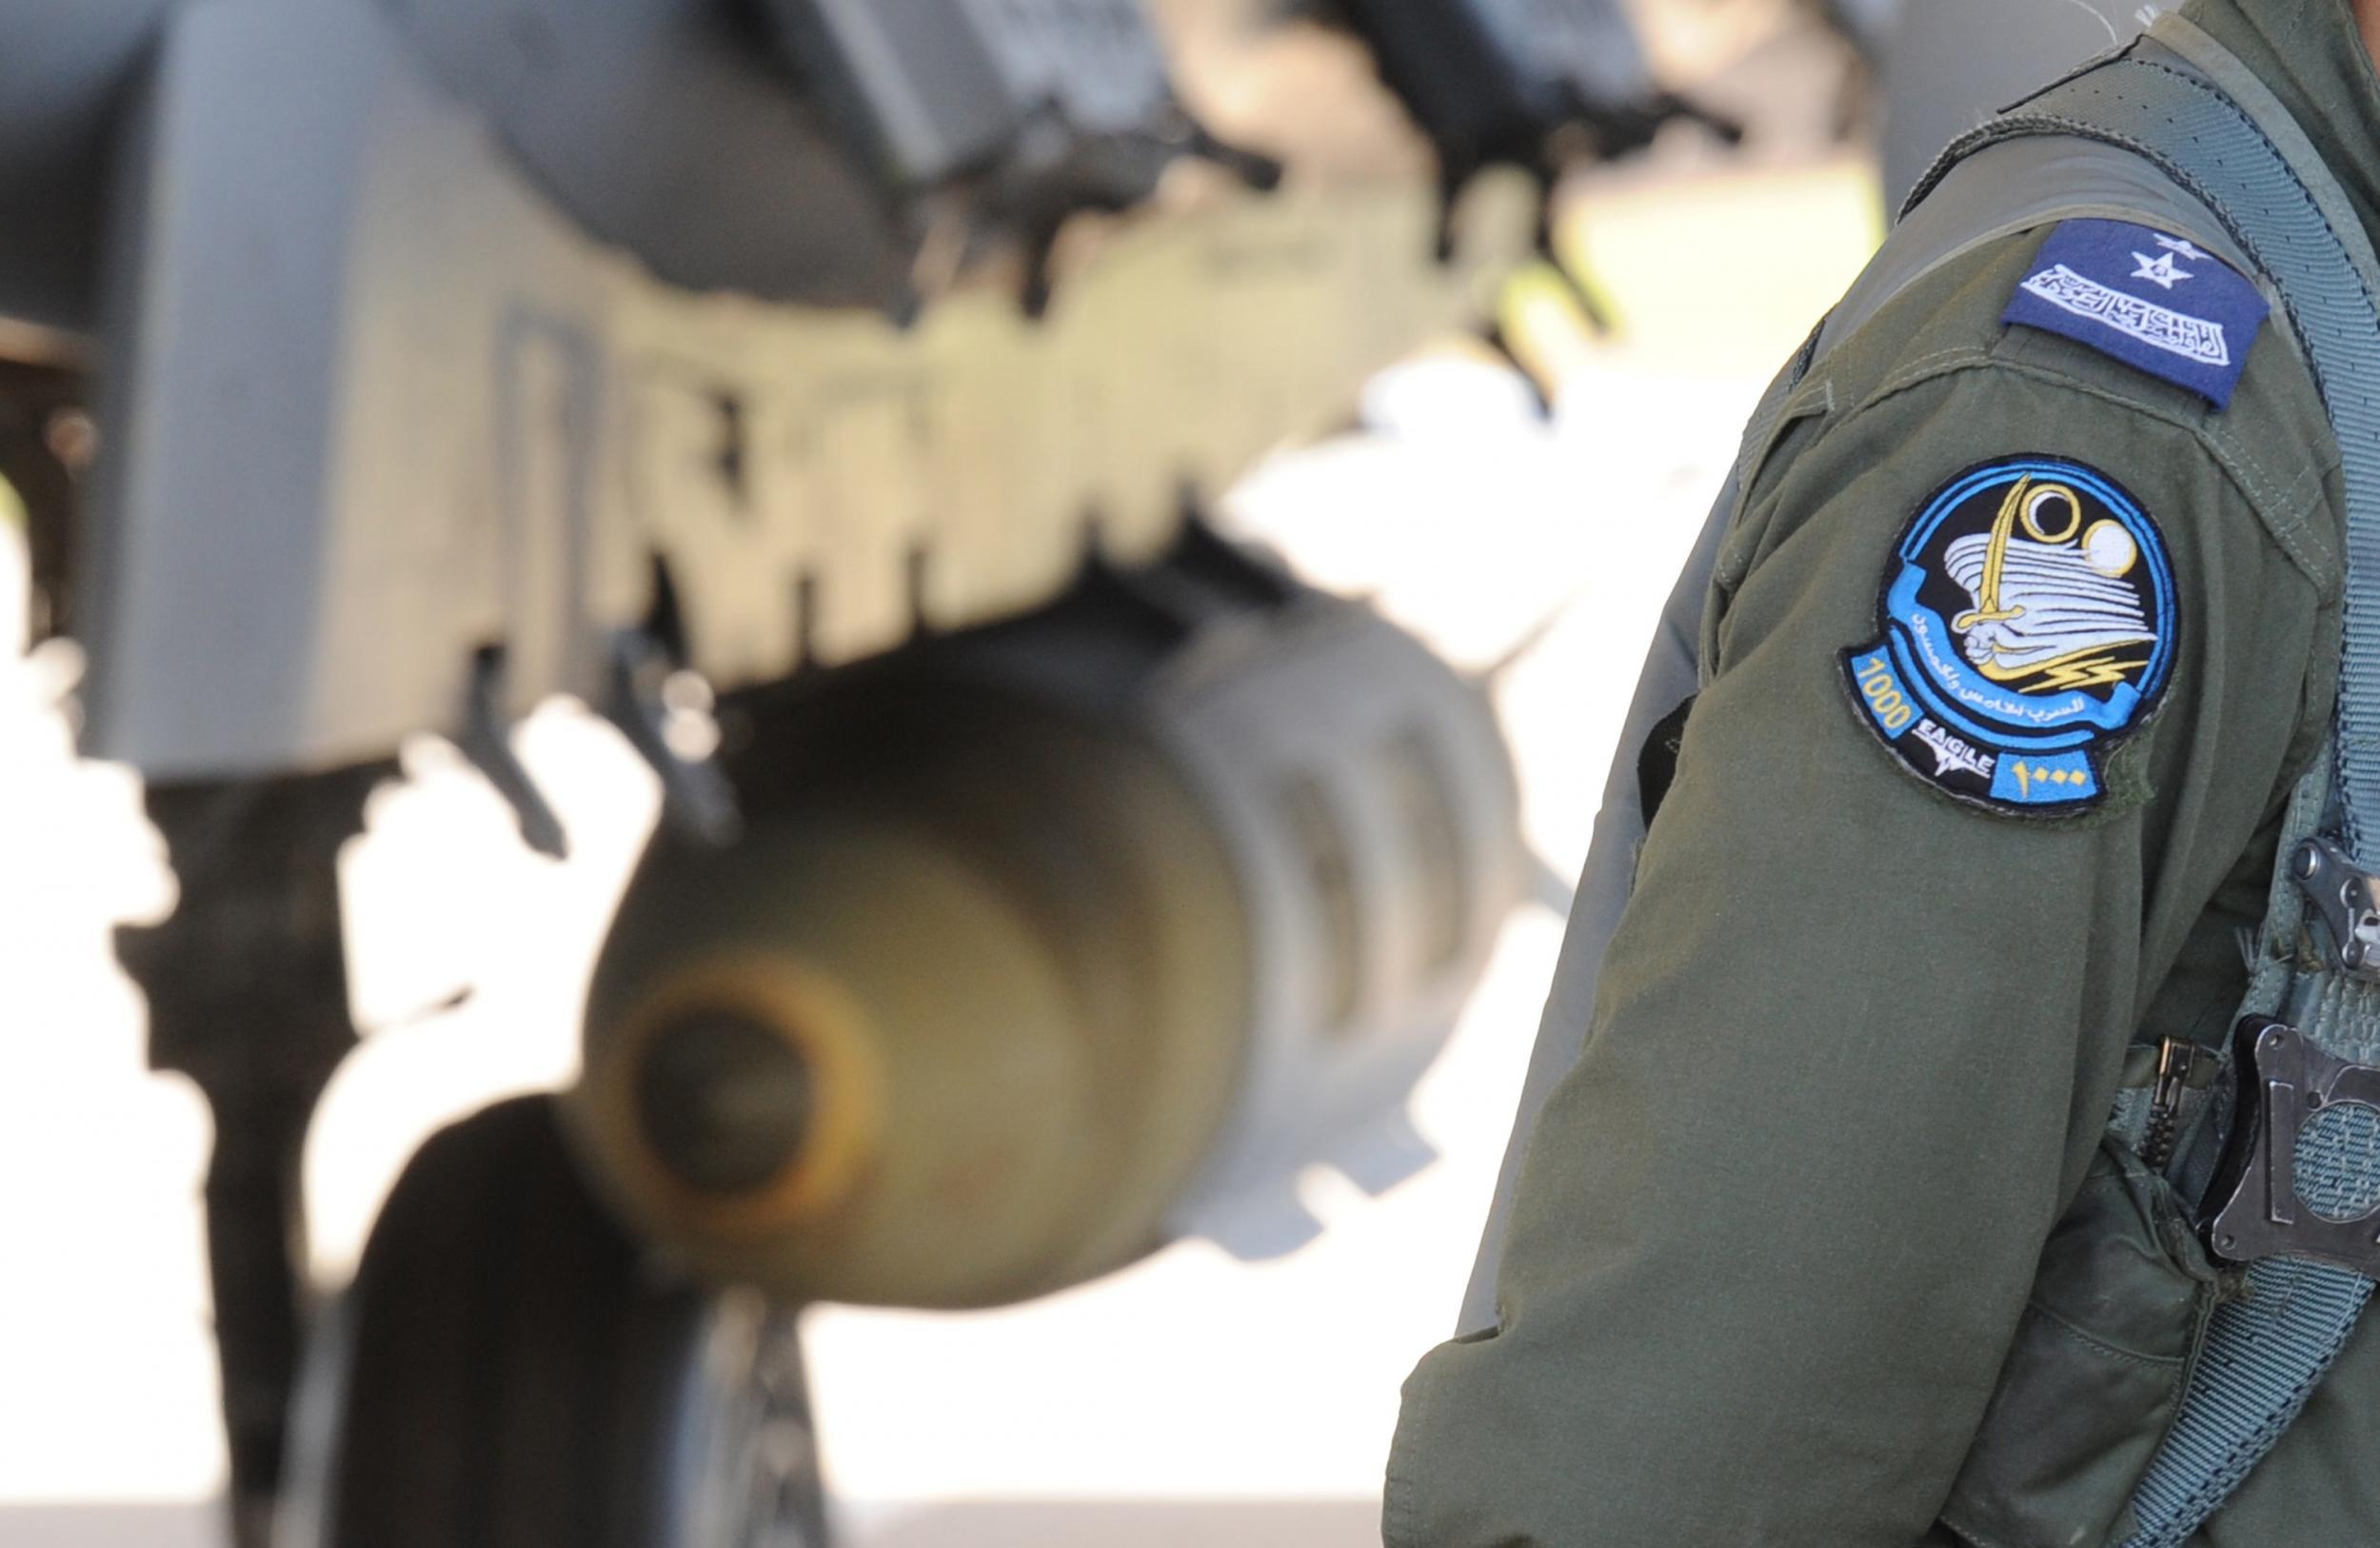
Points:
point(2255, 170)
point(2263, 1358)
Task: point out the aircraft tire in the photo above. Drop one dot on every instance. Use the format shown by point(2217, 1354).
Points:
point(509, 1368)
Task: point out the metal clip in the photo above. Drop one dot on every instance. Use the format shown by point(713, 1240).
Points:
point(486, 741)
point(696, 796)
point(2285, 1081)
point(2346, 899)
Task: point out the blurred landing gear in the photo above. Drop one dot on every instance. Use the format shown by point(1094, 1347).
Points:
point(510, 1369)
point(247, 996)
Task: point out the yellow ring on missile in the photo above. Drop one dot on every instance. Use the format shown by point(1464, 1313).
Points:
point(818, 1020)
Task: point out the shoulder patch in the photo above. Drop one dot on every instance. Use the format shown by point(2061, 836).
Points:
point(2155, 302)
point(2027, 624)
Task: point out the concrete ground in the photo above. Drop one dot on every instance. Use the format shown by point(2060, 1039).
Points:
point(1193, 1401)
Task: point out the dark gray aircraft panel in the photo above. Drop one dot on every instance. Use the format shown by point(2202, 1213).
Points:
point(62, 70)
point(727, 184)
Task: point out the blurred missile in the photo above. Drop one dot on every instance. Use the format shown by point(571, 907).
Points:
point(1052, 942)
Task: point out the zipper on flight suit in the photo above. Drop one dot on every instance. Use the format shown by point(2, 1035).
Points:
point(2178, 1061)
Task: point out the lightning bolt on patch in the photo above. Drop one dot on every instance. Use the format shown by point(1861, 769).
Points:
point(2027, 624)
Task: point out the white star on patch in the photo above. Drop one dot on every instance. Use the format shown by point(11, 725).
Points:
point(2160, 269)
point(2175, 244)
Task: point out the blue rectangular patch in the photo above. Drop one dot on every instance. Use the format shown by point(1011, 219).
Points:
point(2055, 779)
point(2156, 303)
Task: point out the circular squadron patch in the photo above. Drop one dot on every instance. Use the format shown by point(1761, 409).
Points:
point(2029, 623)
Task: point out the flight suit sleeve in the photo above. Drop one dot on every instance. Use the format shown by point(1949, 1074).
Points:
point(1856, 1037)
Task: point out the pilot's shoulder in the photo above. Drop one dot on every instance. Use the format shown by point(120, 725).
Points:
point(2138, 311)
point(2150, 331)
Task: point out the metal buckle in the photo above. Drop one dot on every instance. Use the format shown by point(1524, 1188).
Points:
point(2285, 1081)
point(2346, 900)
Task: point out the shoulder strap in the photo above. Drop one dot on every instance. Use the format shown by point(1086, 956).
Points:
point(2018, 185)
point(2183, 104)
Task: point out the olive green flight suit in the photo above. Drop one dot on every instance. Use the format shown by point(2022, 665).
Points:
point(1855, 1046)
